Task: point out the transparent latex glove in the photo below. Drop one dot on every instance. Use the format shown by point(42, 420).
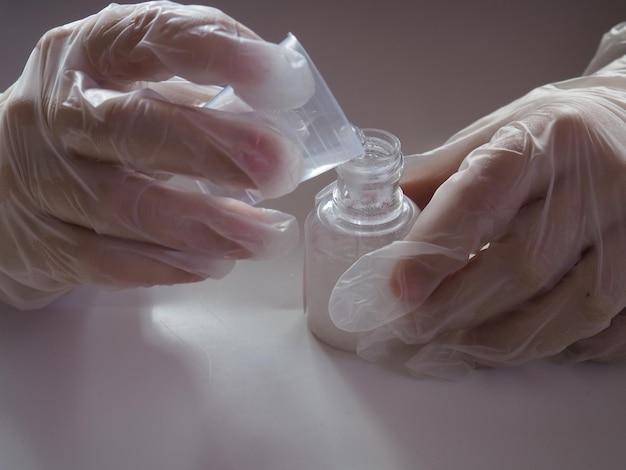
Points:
point(103, 114)
point(519, 251)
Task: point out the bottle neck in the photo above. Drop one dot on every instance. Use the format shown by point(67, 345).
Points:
point(368, 191)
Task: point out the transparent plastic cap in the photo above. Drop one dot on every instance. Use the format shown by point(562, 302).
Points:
point(318, 128)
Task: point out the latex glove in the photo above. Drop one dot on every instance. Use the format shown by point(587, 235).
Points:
point(519, 253)
point(102, 114)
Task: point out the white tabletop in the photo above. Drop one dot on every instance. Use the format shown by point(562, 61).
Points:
point(223, 374)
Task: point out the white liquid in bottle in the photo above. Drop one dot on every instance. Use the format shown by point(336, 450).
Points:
point(362, 211)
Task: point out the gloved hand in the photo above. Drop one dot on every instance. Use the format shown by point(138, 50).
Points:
point(104, 112)
point(519, 251)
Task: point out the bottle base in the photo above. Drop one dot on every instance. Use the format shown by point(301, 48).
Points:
point(334, 337)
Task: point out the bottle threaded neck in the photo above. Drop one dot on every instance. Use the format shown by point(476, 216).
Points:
point(368, 186)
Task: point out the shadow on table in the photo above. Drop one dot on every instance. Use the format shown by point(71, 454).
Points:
point(541, 415)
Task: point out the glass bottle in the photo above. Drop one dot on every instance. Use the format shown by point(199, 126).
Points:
point(363, 210)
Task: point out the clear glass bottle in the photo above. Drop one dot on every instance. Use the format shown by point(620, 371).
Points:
point(363, 210)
